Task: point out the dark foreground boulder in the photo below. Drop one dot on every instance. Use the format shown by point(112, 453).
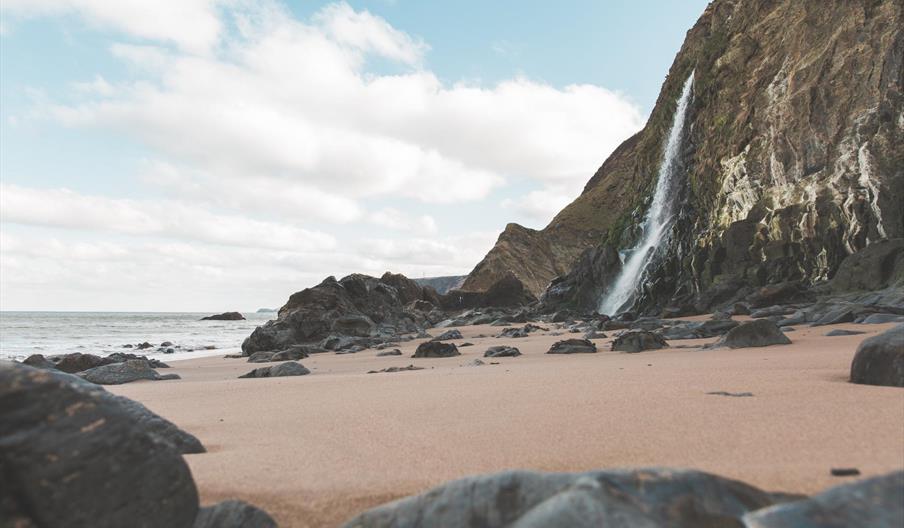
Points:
point(226, 316)
point(638, 341)
point(880, 359)
point(290, 368)
point(125, 372)
point(436, 349)
point(572, 346)
point(75, 455)
point(645, 498)
point(877, 502)
point(501, 351)
point(233, 514)
point(758, 333)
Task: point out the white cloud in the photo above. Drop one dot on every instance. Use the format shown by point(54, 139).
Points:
point(540, 206)
point(194, 25)
point(392, 218)
point(63, 208)
point(368, 33)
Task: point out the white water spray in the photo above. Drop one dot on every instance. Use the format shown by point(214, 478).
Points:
point(660, 216)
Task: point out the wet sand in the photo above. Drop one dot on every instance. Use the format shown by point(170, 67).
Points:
point(315, 450)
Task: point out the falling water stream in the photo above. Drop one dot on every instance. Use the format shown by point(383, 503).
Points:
point(659, 219)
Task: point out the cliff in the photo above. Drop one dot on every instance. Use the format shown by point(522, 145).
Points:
point(793, 158)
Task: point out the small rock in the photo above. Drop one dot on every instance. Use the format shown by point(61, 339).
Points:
point(166, 344)
point(845, 472)
point(393, 352)
point(290, 368)
point(465, 344)
point(264, 356)
point(501, 351)
point(839, 332)
point(226, 316)
point(637, 341)
point(125, 372)
point(573, 346)
point(731, 394)
point(395, 369)
point(475, 363)
point(882, 318)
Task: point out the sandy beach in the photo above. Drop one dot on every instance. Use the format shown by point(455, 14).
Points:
point(314, 450)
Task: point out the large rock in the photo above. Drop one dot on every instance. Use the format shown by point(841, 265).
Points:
point(356, 306)
point(78, 362)
point(125, 372)
point(645, 498)
point(226, 316)
point(501, 351)
point(506, 292)
point(758, 333)
point(879, 265)
point(436, 349)
point(638, 341)
point(74, 455)
point(875, 503)
point(233, 514)
point(583, 286)
point(290, 368)
point(572, 346)
point(880, 359)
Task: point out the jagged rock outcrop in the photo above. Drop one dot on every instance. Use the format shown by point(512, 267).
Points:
point(357, 305)
point(793, 157)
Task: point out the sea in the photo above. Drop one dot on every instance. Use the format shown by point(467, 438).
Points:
point(102, 333)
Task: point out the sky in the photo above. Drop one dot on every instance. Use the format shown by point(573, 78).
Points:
point(213, 155)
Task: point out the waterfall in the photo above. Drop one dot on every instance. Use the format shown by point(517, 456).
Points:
point(660, 216)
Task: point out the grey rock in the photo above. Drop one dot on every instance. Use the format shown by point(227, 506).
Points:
point(353, 325)
point(573, 346)
point(501, 351)
point(839, 332)
point(393, 352)
point(233, 514)
point(638, 341)
point(125, 372)
point(880, 359)
point(876, 503)
point(39, 361)
point(758, 333)
point(837, 316)
point(289, 368)
point(78, 456)
point(882, 318)
point(475, 363)
point(290, 354)
point(395, 369)
point(521, 499)
point(264, 356)
point(226, 316)
point(448, 335)
point(436, 349)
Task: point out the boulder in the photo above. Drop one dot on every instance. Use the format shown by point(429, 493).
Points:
point(880, 359)
point(290, 368)
point(839, 332)
point(877, 266)
point(882, 318)
point(436, 349)
point(643, 498)
point(758, 333)
point(233, 514)
point(125, 372)
point(876, 502)
point(638, 341)
point(39, 361)
point(448, 335)
point(226, 316)
point(290, 354)
point(501, 351)
point(836, 316)
point(393, 352)
point(572, 346)
point(264, 356)
point(76, 455)
point(78, 362)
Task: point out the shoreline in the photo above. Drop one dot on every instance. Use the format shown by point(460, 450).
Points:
point(315, 450)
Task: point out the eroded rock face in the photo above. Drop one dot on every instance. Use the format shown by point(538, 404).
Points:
point(793, 157)
point(637, 498)
point(356, 306)
point(880, 359)
point(875, 502)
point(77, 456)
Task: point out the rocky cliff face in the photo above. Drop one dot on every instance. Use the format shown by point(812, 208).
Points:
point(794, 156)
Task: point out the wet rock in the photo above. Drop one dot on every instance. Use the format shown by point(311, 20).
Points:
point(166, 344)
point(225, 316)
point(839, 332)
point(290, 368)
point(758, 333)
point(395, 369)
point(880, 359)
point(645, 498)
point(393, 352)
point(572, 346)
point(125, 372)
point(448, 335)
point(233, 514)
point(638, 341)
point(874, 502)
point(501, 351)
point(143, 346)
point(436, 349)
point(80, 456)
